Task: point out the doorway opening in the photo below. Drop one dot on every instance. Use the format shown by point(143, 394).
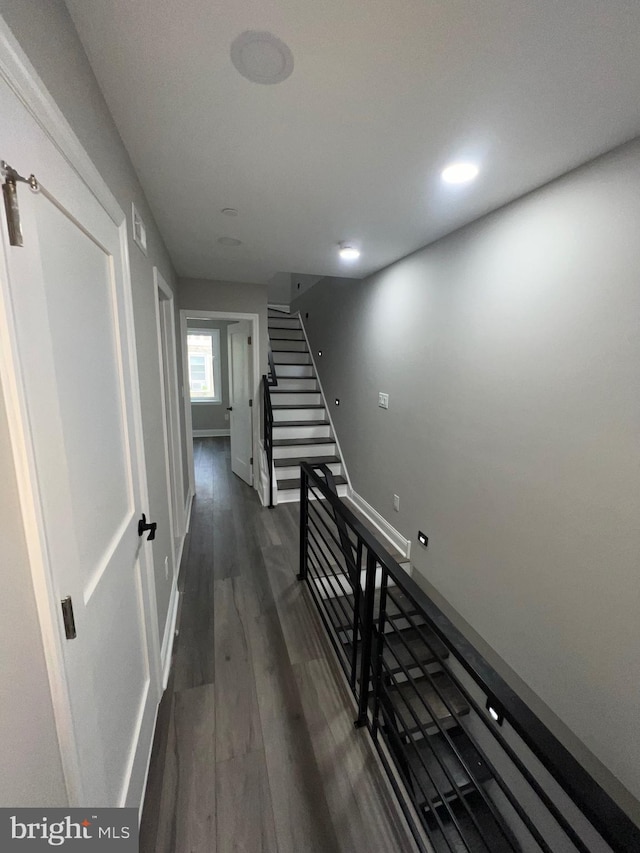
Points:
point(221, 374)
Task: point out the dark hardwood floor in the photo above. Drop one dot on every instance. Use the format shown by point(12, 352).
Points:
point(255, 748)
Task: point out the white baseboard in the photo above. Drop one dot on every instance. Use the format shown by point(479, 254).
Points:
point(390, 533)
point(169, 634)
point(210, 433)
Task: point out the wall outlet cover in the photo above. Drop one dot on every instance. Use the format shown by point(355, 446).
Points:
point(396, 503)
point(383, 400)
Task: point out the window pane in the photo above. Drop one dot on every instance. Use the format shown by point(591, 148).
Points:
point(201, 374)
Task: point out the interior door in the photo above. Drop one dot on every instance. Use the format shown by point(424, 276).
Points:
point(240, 385)
point(67, 298)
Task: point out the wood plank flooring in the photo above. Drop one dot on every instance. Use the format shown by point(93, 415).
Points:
point(255, 749)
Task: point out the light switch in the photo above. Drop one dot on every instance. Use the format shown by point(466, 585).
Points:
point(383, 400)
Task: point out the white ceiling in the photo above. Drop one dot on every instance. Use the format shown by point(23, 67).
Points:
point(383, 94)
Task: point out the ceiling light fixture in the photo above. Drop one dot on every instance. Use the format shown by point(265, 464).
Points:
point(229, 241)
point(261, 57)
point(460, 173)
point(349, 252)
point(229, 211)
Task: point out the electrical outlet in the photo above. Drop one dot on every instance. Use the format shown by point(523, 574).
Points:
point(226, 416)
point(166, 567)
point(396, 503)
point(383, 400)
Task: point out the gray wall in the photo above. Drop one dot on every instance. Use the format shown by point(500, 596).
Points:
point(213, 415)
point(510, 352)
point(46, 33)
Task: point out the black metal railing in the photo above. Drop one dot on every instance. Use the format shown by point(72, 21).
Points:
point(473, 767)
point(267, 432)
point(272, 376)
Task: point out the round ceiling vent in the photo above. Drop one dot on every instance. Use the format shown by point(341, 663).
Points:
point(261, 57)
point(229, 241)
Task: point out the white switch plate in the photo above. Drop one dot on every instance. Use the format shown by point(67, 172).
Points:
point(396, 503)
point(383, 400)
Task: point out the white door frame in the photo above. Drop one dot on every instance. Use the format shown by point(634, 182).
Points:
point(171, 422)
point(255, 340)
point(18, 72)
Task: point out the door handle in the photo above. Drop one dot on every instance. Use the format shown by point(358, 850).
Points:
point(144, 525)
point(229, 408)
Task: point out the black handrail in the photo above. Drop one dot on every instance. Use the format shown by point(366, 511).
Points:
point(267, 433)
point(364, 628)
point(272, 376)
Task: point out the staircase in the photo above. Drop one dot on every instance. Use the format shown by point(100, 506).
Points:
point(301, 429)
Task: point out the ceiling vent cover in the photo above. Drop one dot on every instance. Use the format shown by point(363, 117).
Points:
point(261, 57)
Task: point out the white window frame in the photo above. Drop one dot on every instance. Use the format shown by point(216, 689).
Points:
point(214, 334)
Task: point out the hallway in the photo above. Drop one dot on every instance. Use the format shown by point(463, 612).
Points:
point(255, 748)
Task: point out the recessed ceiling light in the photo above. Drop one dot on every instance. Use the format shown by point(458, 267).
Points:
point(460, 173)
point(349, 252)
point(261, 57)
point(229, 241)
point(229, 211)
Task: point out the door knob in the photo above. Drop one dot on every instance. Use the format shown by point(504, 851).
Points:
point(229, 408)
point(143, 526)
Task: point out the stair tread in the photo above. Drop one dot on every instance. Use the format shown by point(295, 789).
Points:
point(292, 363)
point(451, 842)
point(419, 652)
point(411, 695)
point(292, 391)
point(297, 406)
point(427, 777)
point(289, 442)
point(298, 460)
point(277, 424)
point(394, 611)
point(294, 483)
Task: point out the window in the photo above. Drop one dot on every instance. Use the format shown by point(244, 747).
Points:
point(203, 348)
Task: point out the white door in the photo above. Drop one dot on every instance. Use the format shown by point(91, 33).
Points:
point(66, 305)
point(240, 385)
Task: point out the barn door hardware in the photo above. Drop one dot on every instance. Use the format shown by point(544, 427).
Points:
point(68, 619)
point(10, 181)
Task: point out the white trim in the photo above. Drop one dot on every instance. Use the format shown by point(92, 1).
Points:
point(388, 532)
point(169, 633)
point(19, 73)
point(324, 398)
point(210, 433)
point(188, 505)
point(194, 314)
point(284, 308)
point(171, 408)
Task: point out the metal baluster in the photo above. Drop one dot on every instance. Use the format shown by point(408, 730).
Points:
point(367, 639)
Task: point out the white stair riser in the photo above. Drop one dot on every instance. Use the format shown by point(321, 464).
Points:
point(301, 432)
point(293, 471)
point(289, 334)
point(298, 450)
point(298, 415)
point(294, 399)
point(289, 357)
point(284, 323)
point(294, 371)
point(291, 495)
point(294, 346)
